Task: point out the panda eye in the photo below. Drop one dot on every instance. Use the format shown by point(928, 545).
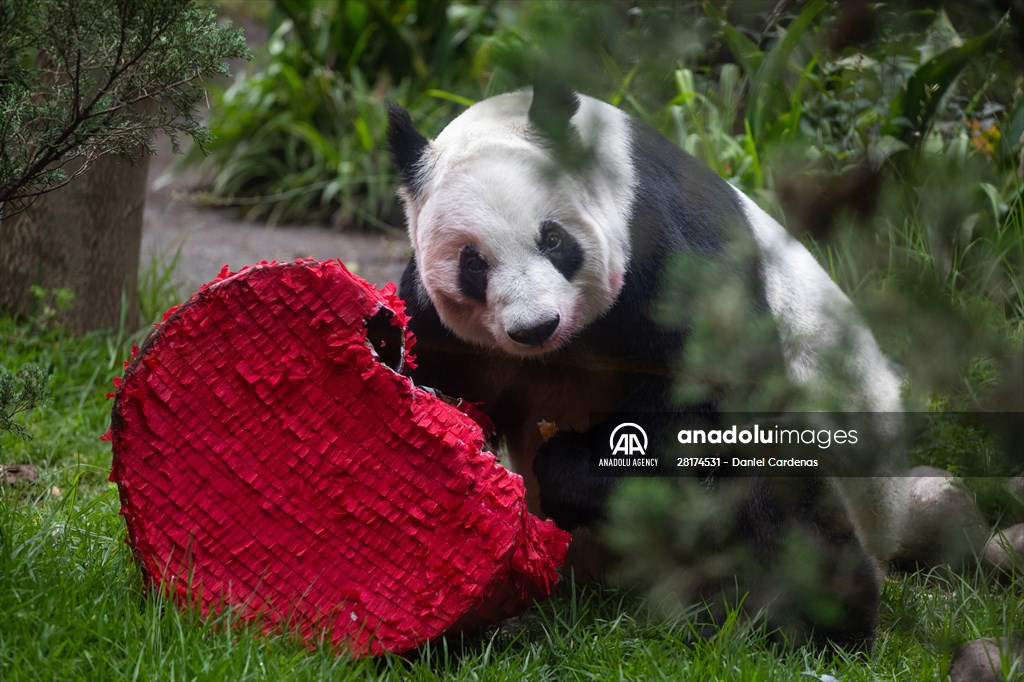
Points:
point(472, 273)
point(559, 247)
point(474, 263)
point(551, 236)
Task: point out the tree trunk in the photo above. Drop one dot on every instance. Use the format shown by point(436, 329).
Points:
point(84, 237)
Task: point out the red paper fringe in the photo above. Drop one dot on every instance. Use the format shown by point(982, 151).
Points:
point(269, 463)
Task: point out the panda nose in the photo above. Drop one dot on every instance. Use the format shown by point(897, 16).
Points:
point(536, 335)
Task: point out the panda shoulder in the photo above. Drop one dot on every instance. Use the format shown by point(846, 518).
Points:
point(817, 321)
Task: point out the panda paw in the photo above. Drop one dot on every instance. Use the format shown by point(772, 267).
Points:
point(571, 493)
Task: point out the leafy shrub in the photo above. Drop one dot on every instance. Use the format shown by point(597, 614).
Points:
point(20, 392)
point(301, 137)
point(899, 167)
point(80, 80)
point(893, 153)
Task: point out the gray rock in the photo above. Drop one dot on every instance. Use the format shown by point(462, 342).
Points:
point(1005, 550)
point(1016, 486)
point(944, 526)
point(18, 474)
point(984, 660)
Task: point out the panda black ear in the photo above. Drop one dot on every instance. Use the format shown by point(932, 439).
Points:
point(406, 144)
point(553, 106)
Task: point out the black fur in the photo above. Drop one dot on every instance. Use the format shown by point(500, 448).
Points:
point(680, 208)
point(406, 145)
point(552, 108)
point(473, 274)
point(564, 252)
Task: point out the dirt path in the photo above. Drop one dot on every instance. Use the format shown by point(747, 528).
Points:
point(206, 240)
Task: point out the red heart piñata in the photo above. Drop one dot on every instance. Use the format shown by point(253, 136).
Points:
point(269, 461)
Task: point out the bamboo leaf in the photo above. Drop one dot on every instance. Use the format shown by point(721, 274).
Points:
point(745, 50)
point(1013, 130)
point(450, 96)
point(913, 110)
point(767, 94)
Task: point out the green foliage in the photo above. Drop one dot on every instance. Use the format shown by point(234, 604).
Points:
point(703, 127)
point(765, 99)
point(895, 164)
point(914, 109)
point(302, 137)
point(833, 110)
point(71, 375)
point(49, 306)
point(82, 79)
point(20, 392)
point(923, 224)
point(157, 290)
point(80, 371)
point(74, 609)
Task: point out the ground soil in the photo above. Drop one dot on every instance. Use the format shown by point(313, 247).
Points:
point(204, 240)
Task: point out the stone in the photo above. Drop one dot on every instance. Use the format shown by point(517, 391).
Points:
point(1016, 487)
point(18, 474)
point(984, 660)
point(1005, 550)
point(944, 526)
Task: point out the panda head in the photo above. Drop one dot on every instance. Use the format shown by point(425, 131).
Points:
point(517, 249)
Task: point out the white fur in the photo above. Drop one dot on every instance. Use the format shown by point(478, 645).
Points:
point(489, 152)
point(816, 321)
point(819, 325)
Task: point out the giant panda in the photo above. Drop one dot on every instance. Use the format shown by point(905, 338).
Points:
point(542, 223)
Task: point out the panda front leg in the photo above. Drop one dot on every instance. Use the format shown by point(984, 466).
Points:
point(572, 490)
point(570, 493)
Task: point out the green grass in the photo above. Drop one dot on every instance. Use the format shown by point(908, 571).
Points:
point(72, 605)
point(73, 608)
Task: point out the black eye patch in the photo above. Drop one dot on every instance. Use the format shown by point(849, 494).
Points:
point(473, 273)
point(561, 248)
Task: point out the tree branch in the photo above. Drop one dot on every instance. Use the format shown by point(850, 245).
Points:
point(62, 144)
point(143, 35)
